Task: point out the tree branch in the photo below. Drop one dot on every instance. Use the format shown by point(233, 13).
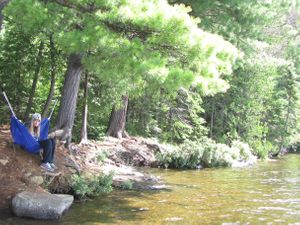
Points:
point(89, 8)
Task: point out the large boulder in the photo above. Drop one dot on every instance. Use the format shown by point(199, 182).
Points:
point(41, 205)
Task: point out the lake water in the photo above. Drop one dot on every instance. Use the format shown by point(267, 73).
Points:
point(266, 193)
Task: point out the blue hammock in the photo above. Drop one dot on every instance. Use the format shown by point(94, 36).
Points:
point(22, 136)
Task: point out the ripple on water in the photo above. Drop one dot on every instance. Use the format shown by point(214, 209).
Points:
point(273, 181)
point(274, 208)
point(294, 213)
point(284, 201)
point(174, 219)
point(292, 180)
point(233, 223)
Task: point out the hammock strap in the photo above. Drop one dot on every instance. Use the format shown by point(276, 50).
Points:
point(52, 110)
point(9, 105)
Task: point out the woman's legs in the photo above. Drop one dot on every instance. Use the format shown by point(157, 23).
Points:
point(53, 149)
point(48, 152)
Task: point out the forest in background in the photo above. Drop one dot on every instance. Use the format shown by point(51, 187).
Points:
point(185, 72)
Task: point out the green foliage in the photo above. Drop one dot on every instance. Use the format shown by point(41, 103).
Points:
point(262, 148)
point(238, 21)
point(184, 118)
point(87, 186)
point(186, 155)
point(283, 120)
point(101, 156)
point(295, 142)
point(205, 153)
point(126, 47)
point(246, 110)
point(127, 185)
point(33, 14)
point(178, 74)
point(249, 109)
point(18, 64)
point(218, 155)
point(134, 34)
point(245, 152)
point(174, 120)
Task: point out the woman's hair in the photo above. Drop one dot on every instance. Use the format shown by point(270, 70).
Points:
point(32, 130)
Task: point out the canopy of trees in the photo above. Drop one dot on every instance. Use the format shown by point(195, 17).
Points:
point(178, 70)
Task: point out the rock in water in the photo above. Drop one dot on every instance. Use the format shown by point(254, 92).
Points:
point(41, 205)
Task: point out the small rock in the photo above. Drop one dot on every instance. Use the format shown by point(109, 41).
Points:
point(4, 161)
point(27, 174)
point(199, 167)
point(38, 180)
point(72, 170)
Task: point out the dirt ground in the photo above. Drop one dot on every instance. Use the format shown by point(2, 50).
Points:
point(20, 170)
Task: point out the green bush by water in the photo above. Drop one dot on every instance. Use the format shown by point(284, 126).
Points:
point(207, 153)
point(85, 185)
point(186, 155)
point(127, 185)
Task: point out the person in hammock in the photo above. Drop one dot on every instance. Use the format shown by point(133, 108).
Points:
point(48, 145)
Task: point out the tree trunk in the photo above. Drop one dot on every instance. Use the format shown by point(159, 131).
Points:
point(117, 120)
point(35, 80)
point(285, 130)
point(3, 3)
point(66, 113)
point(52, 85)
point(84, 138)
point(16, 95)
point(212, 120)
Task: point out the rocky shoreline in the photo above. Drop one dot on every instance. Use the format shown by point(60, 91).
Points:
point(20, 171)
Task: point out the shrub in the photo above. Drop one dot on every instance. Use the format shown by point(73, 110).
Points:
point(186, 155)
point(217, 155)
point(166, 158)
point(207, 153)
point(102, 184)
point(245, 152)
point(127, 185)
point(101, 156)
point(261, 149)
point(80, 186)
point(85, 185)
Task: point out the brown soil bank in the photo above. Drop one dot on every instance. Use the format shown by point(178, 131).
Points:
point(21, 171)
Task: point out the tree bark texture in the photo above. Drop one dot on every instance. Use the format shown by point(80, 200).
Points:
point(3, 3)
point(84, 138)
point(285, 130)
point(53, 73)
point(15, 96)
point(212, 115)
point(35, 80)
point(66, 113)
point(117, 120)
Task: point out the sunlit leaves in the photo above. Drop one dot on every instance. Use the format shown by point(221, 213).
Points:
point(34, 15)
